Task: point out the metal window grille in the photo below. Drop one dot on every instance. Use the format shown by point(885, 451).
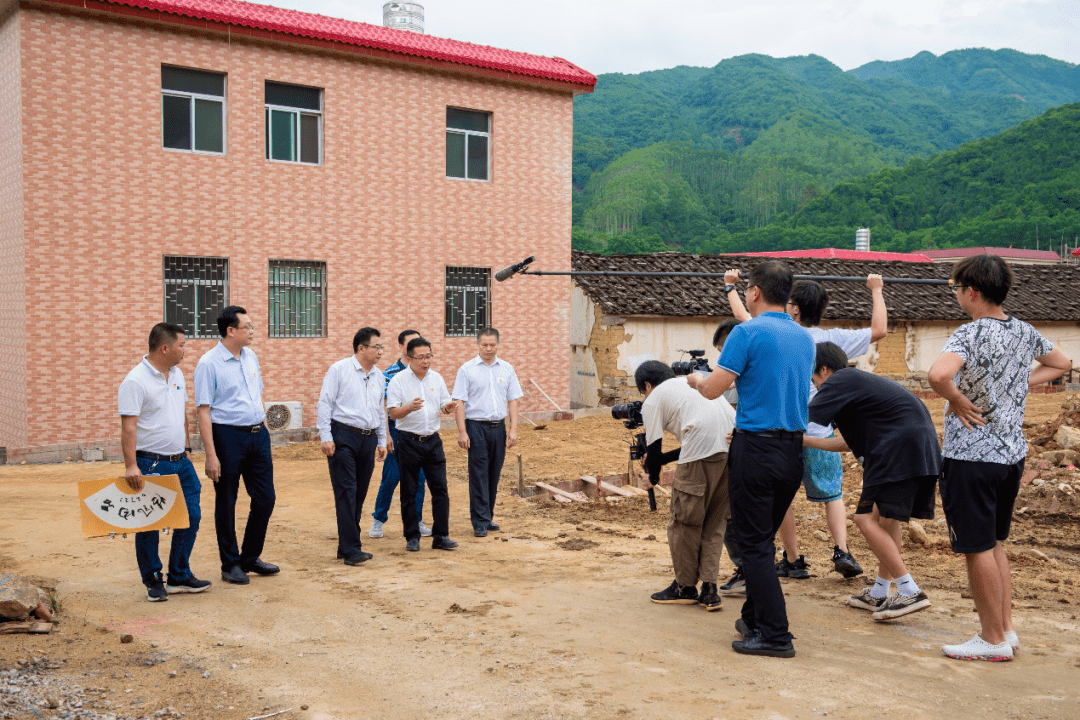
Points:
point(468, 306)
point(196, 291)
point(297, 299)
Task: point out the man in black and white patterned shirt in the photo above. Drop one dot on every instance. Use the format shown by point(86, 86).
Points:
point(984, 372)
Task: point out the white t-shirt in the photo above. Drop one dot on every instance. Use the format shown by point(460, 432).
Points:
point(405, 387)
point(854, 343)
point(159, 403)
point(701, 426)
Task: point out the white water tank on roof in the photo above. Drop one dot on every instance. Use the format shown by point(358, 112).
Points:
point(403, 16)
point(862, 239)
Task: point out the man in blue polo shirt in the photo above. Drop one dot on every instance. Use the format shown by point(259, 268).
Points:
point(228, 395)
point(771, 360)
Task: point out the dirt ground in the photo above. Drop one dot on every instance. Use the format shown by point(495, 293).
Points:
point(549, 618)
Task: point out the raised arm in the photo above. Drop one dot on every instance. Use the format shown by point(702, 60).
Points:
point(738, 310)
point(879, 317)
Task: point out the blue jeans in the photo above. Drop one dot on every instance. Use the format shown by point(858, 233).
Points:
point(391, 476)
point(183, 540)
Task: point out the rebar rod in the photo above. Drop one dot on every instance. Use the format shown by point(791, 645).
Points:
point(657, 273)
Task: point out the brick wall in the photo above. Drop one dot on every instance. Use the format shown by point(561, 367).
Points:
point(105, 202)
point(13, 432)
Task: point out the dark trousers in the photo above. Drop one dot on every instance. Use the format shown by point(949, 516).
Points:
point(183, 539)
point(351, 466)
point(730, 544)
point(765, 474)
point(415, 455)
point(391, 476)
point(487, 450)
point(242, 453)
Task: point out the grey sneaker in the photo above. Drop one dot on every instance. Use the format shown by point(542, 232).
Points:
point(376, 529)
point(425, 531)
point(155, 589)
point(897, 605)
point(736, 585)
point(865, 601)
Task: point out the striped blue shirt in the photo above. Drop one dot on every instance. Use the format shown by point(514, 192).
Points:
point(231, 387)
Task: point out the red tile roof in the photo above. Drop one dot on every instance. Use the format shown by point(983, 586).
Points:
point(839, 254)
point(403, 42)
point(1047, 255)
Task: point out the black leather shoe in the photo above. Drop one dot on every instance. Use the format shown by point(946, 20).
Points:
point(362, 557)
point(413, 545)
point(756, 645)
point(259, 567)
point(492, 527)
point(480, 532)
point(442, 542)
point(235, 575)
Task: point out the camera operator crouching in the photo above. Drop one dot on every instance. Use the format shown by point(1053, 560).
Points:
point(699, 495)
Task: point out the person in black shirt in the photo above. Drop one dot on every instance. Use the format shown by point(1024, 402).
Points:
point(890, 432)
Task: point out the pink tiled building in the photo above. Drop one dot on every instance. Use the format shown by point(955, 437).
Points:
point(162, 158)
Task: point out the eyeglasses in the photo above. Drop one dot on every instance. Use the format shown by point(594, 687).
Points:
point(422, 357)
point(380, 348)
point(250, 327)
point(954, 286)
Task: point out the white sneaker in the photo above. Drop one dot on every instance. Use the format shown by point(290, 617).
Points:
point(1012, 639)
point(425, 531)
point(376, 529)
point(978, 649)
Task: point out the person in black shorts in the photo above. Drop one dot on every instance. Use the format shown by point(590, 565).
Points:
point(984, 372)
point(891, 434)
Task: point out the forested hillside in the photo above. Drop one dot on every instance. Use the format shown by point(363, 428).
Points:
point(708, 160)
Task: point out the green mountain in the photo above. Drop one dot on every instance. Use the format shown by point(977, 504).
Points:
point(691, 157)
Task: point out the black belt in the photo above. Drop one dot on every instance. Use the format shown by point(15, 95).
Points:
point(487, 423)
point(362, 431)
point(421, 438)
point(243, 428)
point(782, 434)
point(158, 458)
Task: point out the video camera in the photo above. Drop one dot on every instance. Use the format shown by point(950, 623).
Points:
point(630, 414)
point(697, 363)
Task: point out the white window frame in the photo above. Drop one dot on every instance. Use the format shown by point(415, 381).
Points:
point(191, 115)
point(467, 133)
point(318, 114)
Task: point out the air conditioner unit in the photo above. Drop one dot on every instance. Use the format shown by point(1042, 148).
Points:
point(284, 415)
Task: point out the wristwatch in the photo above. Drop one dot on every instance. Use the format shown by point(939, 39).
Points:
point(187, 449)
point(728, 288)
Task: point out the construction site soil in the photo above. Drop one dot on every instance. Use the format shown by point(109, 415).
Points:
point(548, 618)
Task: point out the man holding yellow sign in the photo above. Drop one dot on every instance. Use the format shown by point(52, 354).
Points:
point(153, 436)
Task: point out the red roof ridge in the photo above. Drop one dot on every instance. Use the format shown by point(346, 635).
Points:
point(839, 254)
point(350, 32)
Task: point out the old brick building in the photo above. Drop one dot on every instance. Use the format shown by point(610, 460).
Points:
point(162, 158)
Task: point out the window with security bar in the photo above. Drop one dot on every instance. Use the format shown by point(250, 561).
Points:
point(297, 299)
point(468, 300)
point(196, 291)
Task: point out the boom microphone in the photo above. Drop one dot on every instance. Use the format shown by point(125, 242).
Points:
point(508, 272)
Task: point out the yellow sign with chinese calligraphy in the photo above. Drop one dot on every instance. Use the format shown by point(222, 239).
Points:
point(110, 506)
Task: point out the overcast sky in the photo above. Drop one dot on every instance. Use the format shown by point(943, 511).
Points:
point(632, 36)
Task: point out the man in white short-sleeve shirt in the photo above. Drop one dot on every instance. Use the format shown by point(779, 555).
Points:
point(488, 390)
point(414, 398)
point(699, 492)
point(153, 436)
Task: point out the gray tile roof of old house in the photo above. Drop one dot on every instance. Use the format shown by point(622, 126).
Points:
point(1042, 293)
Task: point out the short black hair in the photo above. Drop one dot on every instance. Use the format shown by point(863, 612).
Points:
point(487, 331)
point(722, 331)
point(988, 274)
point(811, 298)
point(363, 337)
point(773, 279)
point(404, 334)
point(653, 372)
point(163, 334)
point(415, 343)
point(829, 355)
point(227, 319)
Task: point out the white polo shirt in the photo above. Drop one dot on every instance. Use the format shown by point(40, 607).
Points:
point(159, 403)
point(486, 389)
point(700, 425)
point(405, 387)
